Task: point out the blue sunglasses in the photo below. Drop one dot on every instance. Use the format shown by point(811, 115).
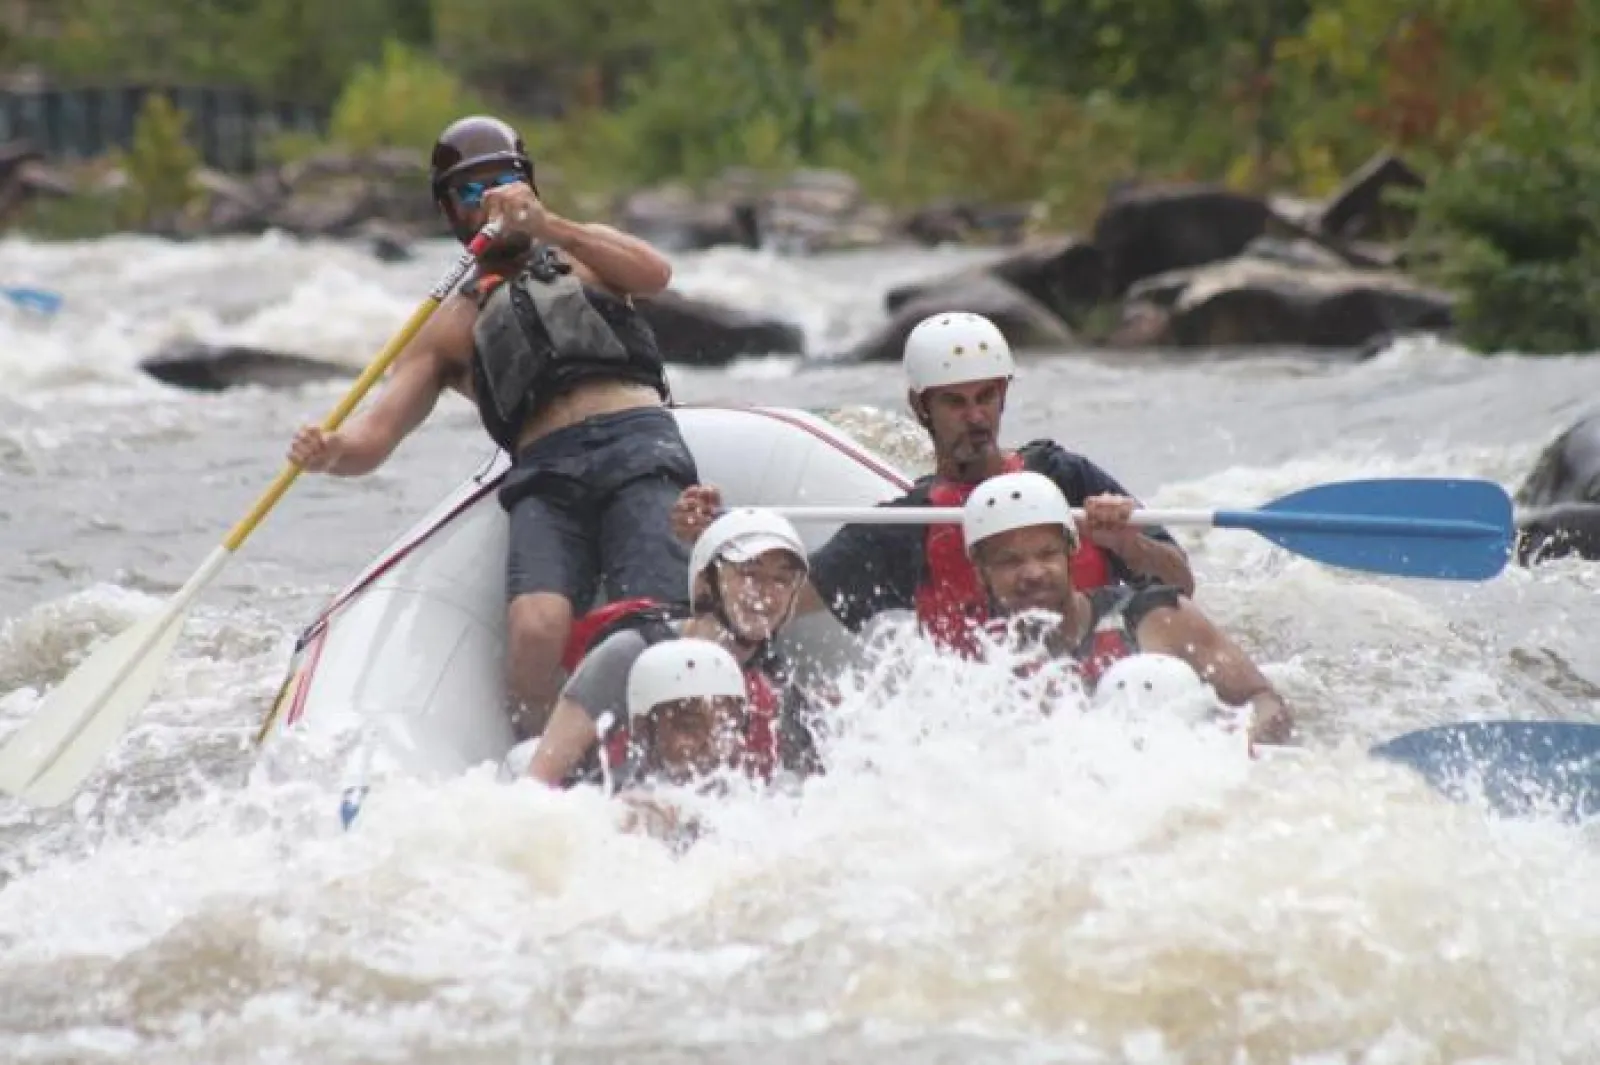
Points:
point(470, 193)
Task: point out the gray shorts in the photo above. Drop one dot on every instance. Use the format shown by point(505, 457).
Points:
point(590, 508)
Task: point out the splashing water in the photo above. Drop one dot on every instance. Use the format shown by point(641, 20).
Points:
point(973, 879)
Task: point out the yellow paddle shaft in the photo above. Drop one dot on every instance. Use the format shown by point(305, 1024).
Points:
point(369, 377)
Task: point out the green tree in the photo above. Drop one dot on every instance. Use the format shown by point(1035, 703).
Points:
point(403, 100)
point(300, 49)
point(1514, 223)
point(308, 49)
point(720, 89)
point(528, 51)
point(160, 165)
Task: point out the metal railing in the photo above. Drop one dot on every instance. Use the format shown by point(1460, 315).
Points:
point(229, 127)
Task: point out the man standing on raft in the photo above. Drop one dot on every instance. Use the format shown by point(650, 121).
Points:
point(567, 378)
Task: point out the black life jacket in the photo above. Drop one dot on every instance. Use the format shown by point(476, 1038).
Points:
point(543, 331)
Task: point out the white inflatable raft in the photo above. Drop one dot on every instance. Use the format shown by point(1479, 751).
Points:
point(412, 650)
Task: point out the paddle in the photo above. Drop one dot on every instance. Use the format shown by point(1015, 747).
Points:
point(1442, 528)
point(47, 759)
point(39, 300)
point(1517, 767)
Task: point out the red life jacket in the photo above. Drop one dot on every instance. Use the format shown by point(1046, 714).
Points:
point(950, 599)
point(759, 751)
point(600, 619)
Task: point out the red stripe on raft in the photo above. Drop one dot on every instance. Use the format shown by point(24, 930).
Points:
point(302, 686)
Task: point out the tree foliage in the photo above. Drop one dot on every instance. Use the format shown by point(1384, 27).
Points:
point(160, 164)
point(1516, 218)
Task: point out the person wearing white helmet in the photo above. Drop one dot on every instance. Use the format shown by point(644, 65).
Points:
point(744, 580)
point(958, 370)
point(686, 706)
point(1021, 534)
point(686, 703)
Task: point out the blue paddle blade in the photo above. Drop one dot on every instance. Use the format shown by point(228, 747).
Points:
point(1517, 767)
point(1443, 528)
point(36, 299)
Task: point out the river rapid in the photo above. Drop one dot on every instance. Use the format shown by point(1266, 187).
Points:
point(970, 882)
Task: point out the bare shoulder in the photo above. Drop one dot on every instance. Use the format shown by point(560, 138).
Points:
point(445, 342)
point(1165, 626)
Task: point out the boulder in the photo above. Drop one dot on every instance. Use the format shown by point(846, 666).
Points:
point(231, 205)
point(24, 174)
point(690, 331)
point(1255, 301)
point(830, 193)
point(1064, 275)
point(815, 210)
point(701, 332)
point(967, 222)
point(202, 367)
point(388, 243)
point(1148, 230)
point(1300, 252)
point(1026, 323)
point(380, 197)
point(329, 209)
point(807, 210)
point(1358, 209)
point(1144, 324)
point(673, 219)
point(1562, 497)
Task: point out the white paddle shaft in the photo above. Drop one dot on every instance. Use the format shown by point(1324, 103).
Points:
point(942, 515)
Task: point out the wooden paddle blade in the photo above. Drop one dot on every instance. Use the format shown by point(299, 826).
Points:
point(1439, 528)
point(1517, 767)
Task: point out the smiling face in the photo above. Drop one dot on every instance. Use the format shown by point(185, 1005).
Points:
point(1027, 569)
point(759, 594)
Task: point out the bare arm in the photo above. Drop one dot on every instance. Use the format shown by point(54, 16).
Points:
point(624, 264)
point(434, 360)
point(1188, 634)
point(566, 739)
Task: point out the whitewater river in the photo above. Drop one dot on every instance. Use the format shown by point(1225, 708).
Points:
point(969, 884)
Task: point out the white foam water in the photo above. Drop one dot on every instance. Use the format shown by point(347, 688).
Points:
point(973, 879)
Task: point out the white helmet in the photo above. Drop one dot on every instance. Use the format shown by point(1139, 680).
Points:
point(1145, 682)
point(956, 349)
point(742, 534)
point(684, 668)
point(1015, 501)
